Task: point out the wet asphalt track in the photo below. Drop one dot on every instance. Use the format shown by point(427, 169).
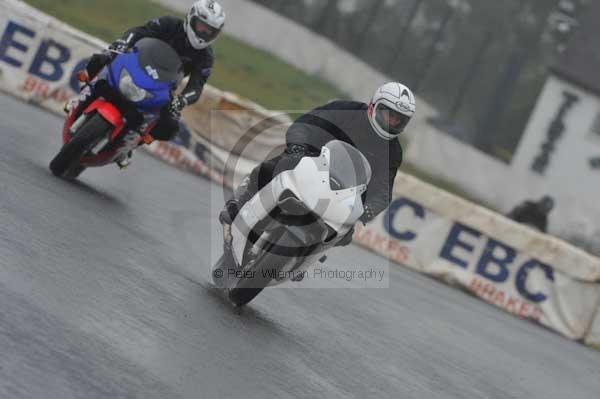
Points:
point(104, 294)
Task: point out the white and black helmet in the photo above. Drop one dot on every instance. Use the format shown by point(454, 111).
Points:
point(203, 23)
point(390, 110)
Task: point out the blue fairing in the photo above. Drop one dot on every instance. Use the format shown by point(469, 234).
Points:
point(161, 91)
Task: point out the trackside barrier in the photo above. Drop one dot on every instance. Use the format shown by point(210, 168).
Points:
point(508, 265)
point(511, 266)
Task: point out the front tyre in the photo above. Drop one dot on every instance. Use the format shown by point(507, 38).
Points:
point(264, 269)
point(66, 163)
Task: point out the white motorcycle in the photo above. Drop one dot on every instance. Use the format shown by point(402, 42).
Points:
point(292, 221)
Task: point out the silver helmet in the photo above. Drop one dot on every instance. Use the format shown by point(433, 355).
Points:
point(203, 23)
point(390, 110)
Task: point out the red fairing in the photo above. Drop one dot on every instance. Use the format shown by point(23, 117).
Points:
point(110, 113)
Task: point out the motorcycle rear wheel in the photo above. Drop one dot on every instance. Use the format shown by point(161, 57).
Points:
point(66, 163)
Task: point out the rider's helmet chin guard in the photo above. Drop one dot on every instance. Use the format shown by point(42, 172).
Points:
point(203, 23)
point(390, 110)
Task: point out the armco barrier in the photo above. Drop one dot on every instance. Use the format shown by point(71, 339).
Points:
point(526, 273)
point(220, 112)
point(506, 264)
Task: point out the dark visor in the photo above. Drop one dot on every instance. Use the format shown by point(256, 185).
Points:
point(203, 30)
point(391, 120)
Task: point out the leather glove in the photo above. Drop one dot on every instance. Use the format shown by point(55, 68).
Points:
point(177, 104)
point(367, 215)
point(119, 46)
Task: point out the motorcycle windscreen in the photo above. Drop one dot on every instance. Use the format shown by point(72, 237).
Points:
point(348, 167)
point(159, 60)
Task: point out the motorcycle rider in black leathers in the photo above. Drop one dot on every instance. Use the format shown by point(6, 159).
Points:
point(191, 38)
point(371, 128)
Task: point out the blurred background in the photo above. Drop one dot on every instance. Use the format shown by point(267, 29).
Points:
point(508, 91)
point(481, 63)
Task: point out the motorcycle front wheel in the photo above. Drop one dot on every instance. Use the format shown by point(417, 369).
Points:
point(264, 268)
point(66, 163)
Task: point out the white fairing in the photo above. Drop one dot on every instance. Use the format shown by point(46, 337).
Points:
point(309, 181)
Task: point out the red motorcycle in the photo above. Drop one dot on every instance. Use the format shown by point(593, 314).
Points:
point(117, 109)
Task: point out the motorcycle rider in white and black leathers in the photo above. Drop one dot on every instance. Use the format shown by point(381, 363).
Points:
point(191, 38)
point(371, 128)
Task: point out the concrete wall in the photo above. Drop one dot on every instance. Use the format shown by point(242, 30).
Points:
point(568, 176)
point(568, 162)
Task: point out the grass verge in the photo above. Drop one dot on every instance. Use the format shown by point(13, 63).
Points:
point(239, 68)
